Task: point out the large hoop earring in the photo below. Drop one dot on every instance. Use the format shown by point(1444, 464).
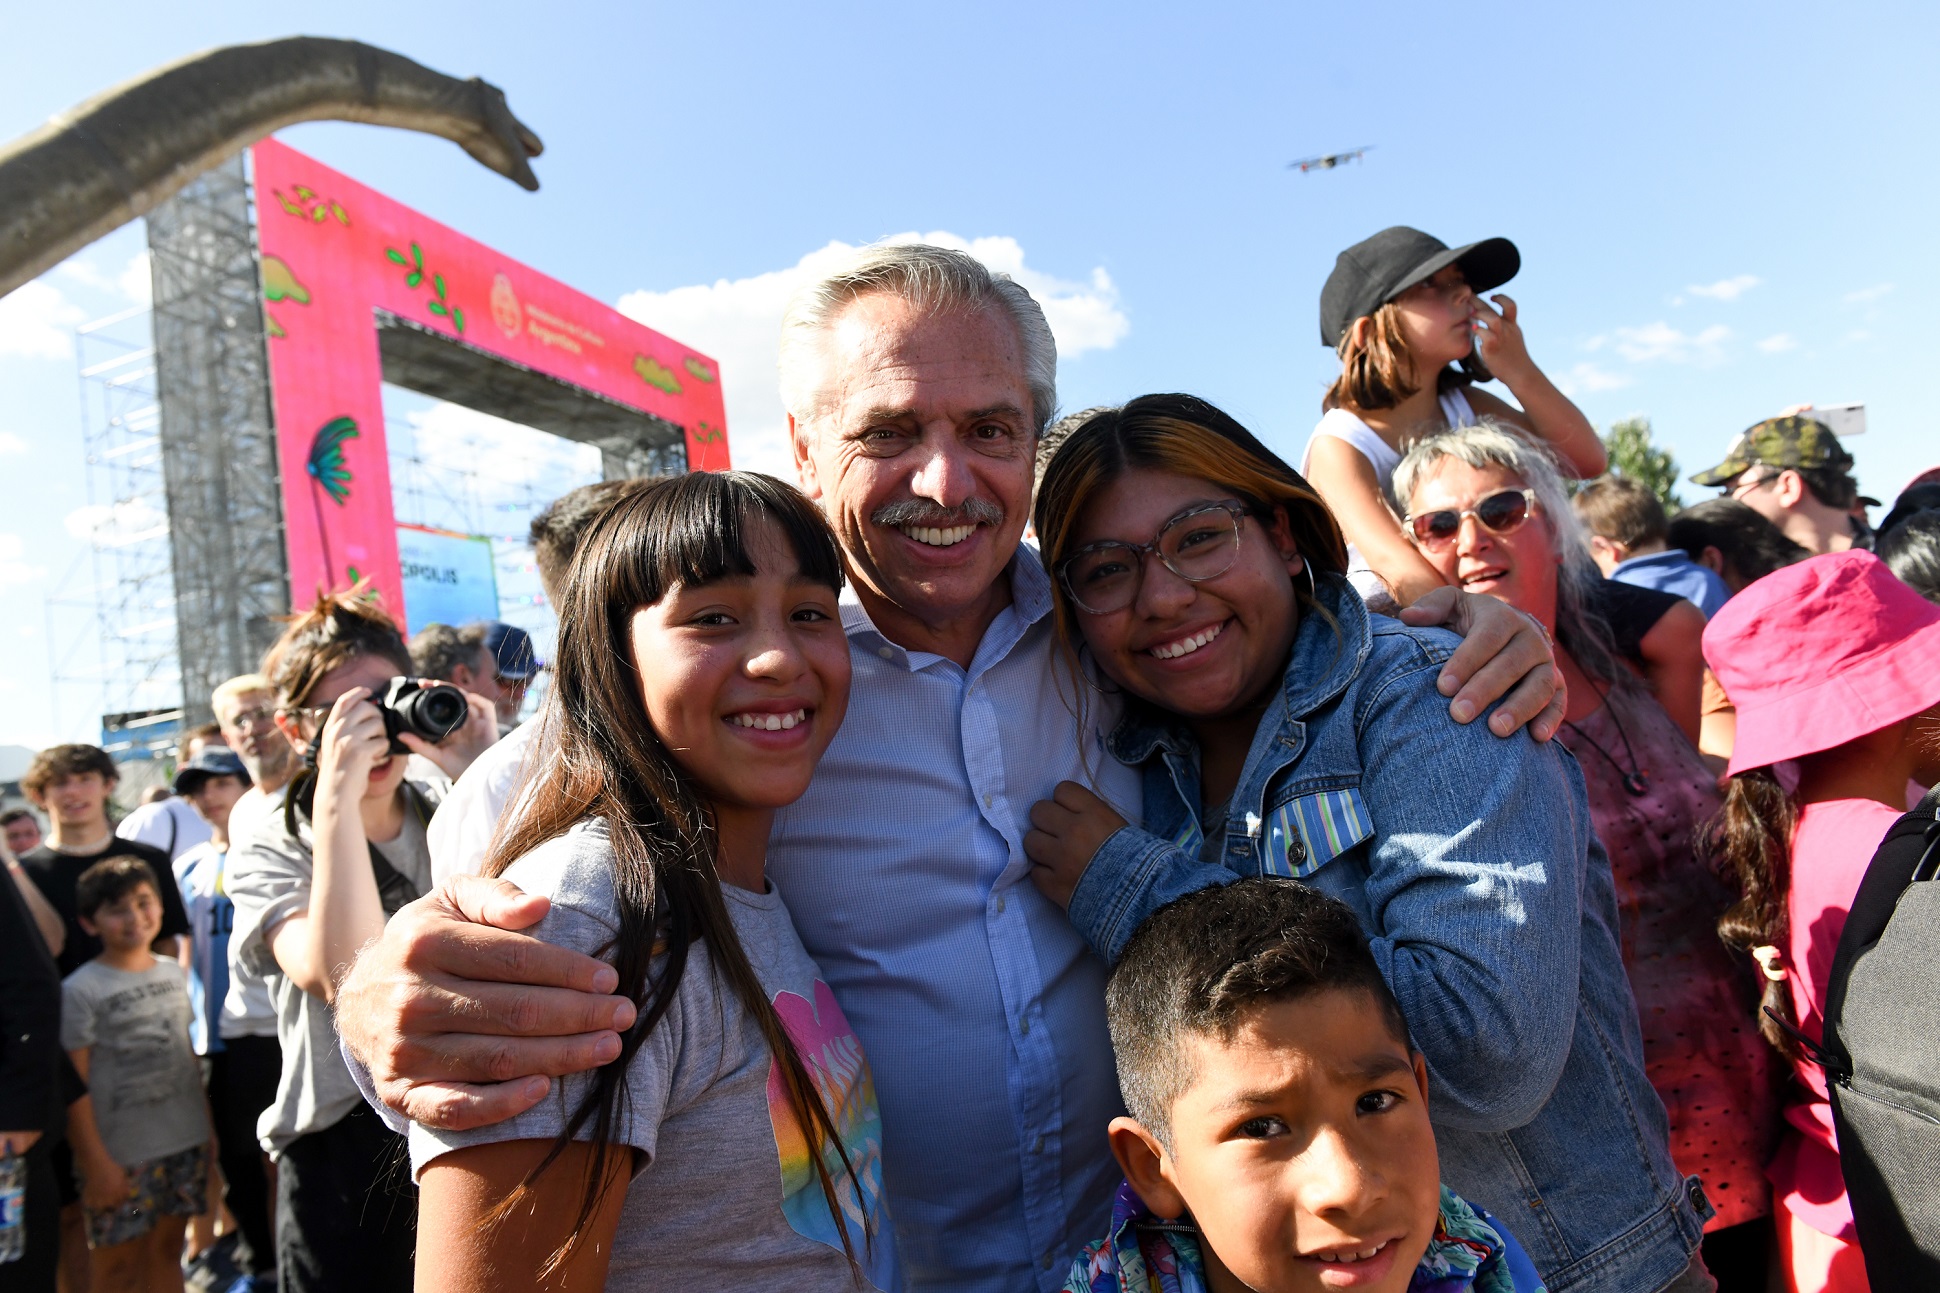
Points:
point(1313, 587)
point(1089, 673)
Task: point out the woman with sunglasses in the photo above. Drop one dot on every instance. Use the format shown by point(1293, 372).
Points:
point(1488, 511)
point(1282, 729)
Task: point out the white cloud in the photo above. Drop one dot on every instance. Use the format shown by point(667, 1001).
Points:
point(1726, 289)
point(13, 570)
point(132, 282)
point(1778, 343)
point(116, 525)
point(1867, 295)
point(738, 322)
point(37, 321)
point(11, 444)
point(1588, 378)
point(1655, 342)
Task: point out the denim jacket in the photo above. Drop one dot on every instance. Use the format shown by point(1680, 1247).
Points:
point(1490, 907)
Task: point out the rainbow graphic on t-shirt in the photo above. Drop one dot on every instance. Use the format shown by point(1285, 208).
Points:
point(834, 1059)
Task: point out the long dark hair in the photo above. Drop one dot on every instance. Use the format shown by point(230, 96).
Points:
point(1750, 839)
point(1186, 436)
point(598, 756)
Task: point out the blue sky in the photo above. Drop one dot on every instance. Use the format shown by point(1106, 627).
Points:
point(1722, 210)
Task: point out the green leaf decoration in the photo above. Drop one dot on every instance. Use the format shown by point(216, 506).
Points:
point(343, 216)
point(326, 460)
point(458, 318)
point(280, 283)
point(699, 369)
point(656, 374)
point(394, 254)
point(417, 256)
point(438, 285)
point(435, 308)
point(413, 278)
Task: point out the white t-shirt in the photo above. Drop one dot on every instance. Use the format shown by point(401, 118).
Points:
point(1342, 425)
point(173, 826)
point(462, 830)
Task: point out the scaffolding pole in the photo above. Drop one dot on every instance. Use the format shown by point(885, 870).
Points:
point(217, 438)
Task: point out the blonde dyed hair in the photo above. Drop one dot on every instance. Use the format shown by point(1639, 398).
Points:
point(1185, 436)
point(238, 687)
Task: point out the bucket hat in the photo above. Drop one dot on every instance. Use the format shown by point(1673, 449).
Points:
point(1376, 270)
point(1821, 653)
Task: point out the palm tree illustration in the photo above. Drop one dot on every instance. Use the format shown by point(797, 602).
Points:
point(329, 475)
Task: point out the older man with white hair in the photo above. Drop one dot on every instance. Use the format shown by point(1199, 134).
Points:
point(917, 385)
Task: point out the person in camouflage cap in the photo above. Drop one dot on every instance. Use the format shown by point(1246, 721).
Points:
point(1794, 472)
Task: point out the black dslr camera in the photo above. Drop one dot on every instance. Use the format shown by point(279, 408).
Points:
point(433, 712)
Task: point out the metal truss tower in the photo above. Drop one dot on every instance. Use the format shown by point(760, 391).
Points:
point(111, 642)
point(217, 439)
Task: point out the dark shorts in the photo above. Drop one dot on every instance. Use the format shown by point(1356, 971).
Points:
point(347, 1210)
point(173, 1186)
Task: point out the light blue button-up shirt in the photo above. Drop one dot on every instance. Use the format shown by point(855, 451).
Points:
point(980, 1008)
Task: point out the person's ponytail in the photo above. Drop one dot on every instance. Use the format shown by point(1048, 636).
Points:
point(1750, 839)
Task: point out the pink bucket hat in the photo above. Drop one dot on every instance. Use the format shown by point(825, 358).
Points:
point(1821, 653)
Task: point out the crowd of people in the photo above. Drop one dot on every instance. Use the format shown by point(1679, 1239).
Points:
point(1079, 854)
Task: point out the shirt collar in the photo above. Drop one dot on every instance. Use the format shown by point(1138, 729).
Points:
point(1030, 602)
point(1668, 557)
point(1326, 656)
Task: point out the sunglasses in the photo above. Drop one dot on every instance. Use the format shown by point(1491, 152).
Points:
point(1502, 512)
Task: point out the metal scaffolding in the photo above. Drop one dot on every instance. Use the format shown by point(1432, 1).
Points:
point(217, 439)
point(111, 640)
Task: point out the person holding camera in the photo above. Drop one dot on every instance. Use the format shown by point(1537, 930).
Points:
point(311, 885)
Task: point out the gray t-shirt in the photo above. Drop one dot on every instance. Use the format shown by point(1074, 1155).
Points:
point(142, 1072)
point(268, 878)
point(725, 1196)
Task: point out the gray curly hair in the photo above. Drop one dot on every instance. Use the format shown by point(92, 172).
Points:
point(1580, 626)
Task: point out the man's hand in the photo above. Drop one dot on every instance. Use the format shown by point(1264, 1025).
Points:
point(461, 749)
point(463, 1022)
point(104, 1185)
point(1505, 655)
point(1066, 831)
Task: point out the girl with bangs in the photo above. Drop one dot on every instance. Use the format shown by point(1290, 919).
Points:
point(1283, 729)
point(1405, 313)
point(733, 1142)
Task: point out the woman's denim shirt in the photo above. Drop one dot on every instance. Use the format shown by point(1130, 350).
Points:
point(1491, 909)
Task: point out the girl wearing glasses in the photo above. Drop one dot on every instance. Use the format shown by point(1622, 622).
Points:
point(312, 882)
point(1404, 312)
point(1488, 511)
point(1282, 729)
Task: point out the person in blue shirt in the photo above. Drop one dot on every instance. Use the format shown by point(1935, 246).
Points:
point(1630, 539)
point(211, 783)
point(1278, 1135)
point(918, 385)
point(1281, 728)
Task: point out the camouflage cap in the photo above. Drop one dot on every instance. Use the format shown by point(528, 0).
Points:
point(1796, 442)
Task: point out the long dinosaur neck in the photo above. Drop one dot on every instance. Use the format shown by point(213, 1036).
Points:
point(92, 169)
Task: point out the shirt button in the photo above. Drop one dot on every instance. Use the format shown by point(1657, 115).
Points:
point(989, 801)
point(887, 653)
point(1024, 1026)
point(1037, 1146)
point(1000, 904)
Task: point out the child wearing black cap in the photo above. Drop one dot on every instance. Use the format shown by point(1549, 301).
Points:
point(1399, 307)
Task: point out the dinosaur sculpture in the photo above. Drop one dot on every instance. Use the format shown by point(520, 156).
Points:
point(91, 170)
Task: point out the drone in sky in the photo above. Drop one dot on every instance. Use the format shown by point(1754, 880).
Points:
point(1328, 161)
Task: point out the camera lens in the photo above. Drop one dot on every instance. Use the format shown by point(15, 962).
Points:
point(442, 708)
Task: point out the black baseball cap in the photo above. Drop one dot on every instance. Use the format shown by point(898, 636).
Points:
point(210, 761)
point(1373, 272)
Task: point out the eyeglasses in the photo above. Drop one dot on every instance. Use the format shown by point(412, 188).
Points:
point(1199, 543)
point(1742, 487)
point(259, 716)
point(1502, 512)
